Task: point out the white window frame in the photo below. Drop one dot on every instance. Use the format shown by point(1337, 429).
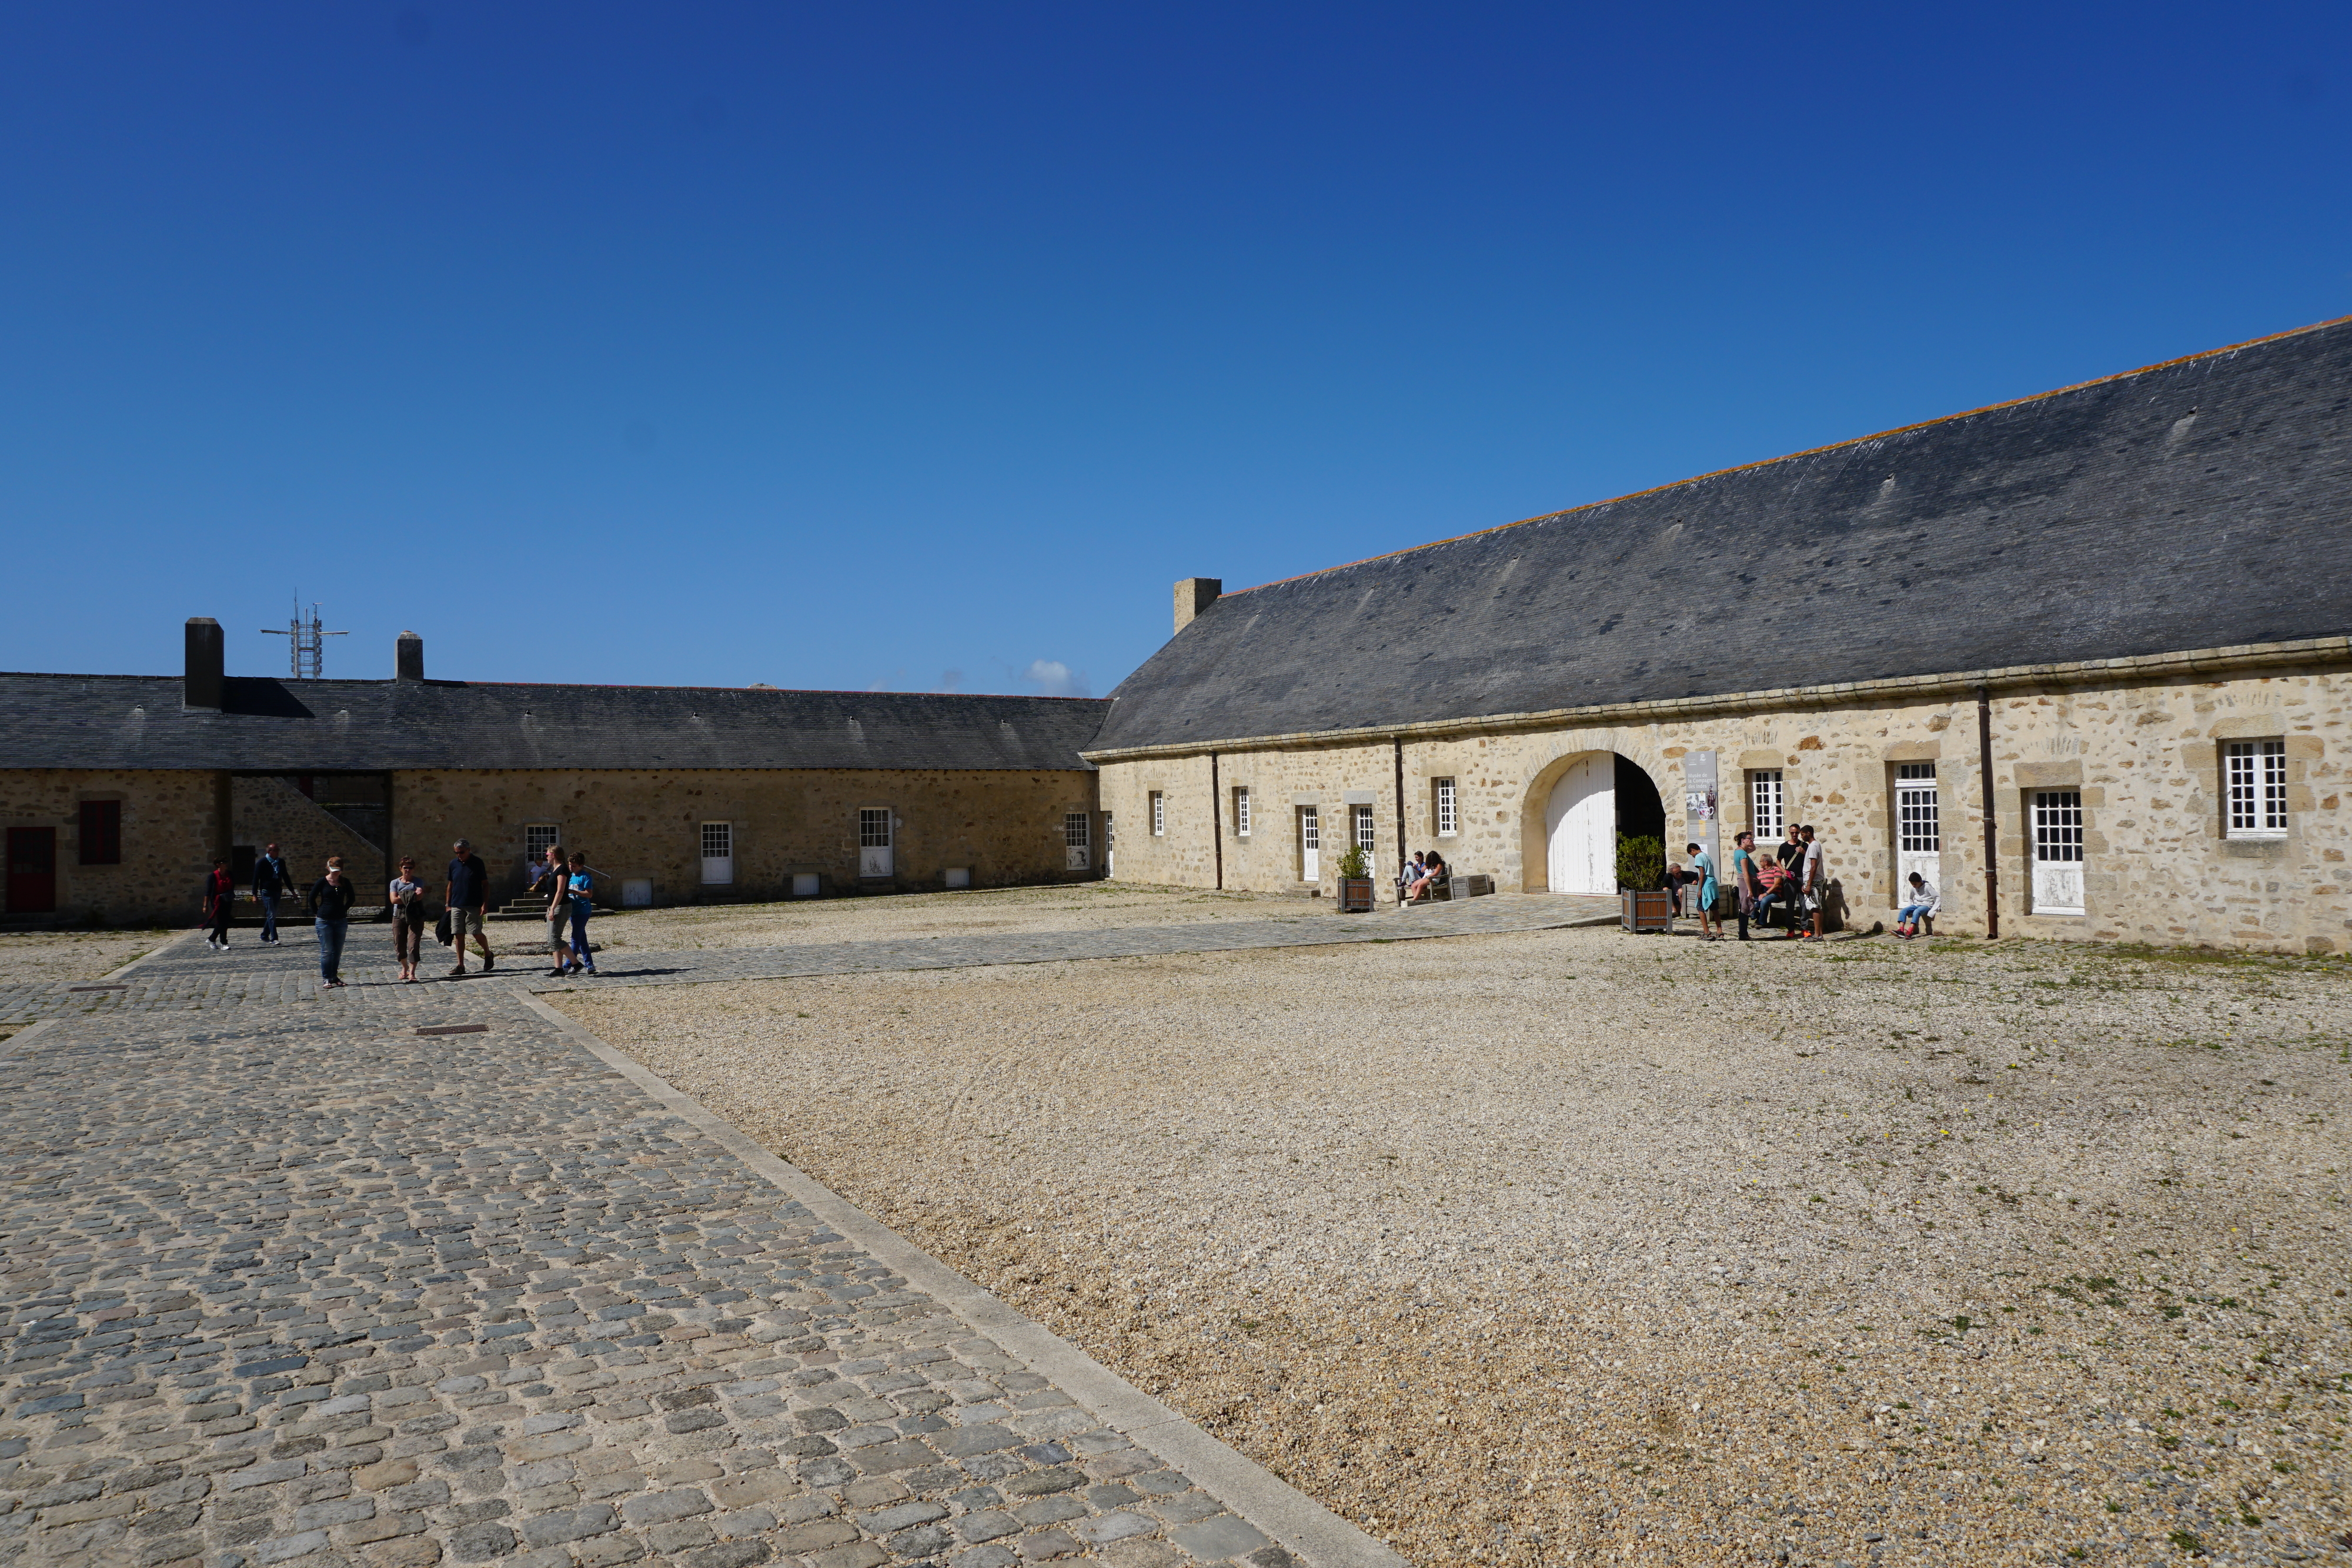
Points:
point(724, 838)
point(538, 838)
point(871, 818)
point(1158, 814)
point(1367, 835)
point(1917, 829)
point(2254, 788)
point(1449, 807)
point(1076, 833)
point(1241, 811)
point(1767, 804)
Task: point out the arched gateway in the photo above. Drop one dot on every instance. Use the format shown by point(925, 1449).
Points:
point(1597, 795)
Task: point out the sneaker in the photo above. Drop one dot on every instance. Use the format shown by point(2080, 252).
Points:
point(557, 974)
point(458, 973)
point(489, 962)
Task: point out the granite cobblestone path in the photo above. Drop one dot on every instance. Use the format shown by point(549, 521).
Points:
point(193, 977)
point(288, 1281)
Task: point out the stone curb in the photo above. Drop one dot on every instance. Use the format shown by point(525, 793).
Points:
point(1301, 1524)
point(184, 939)
point(25, 1036)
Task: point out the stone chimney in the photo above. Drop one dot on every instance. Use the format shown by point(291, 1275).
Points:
point(1194, 594)
point(207, 665)
point(409, 657)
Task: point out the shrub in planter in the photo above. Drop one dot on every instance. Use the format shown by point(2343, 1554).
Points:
point(1641, 864)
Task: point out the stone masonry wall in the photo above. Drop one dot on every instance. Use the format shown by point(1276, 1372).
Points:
point(1006, 827)
point(272, 809)
point(2145, 757)
point(173, 824)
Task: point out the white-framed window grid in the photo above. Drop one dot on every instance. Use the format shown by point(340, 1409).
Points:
point(1241, 811)
point(873, 827)
point(1449, 815)
point(1075, 833)
point(2255, 774)
point(1767, 810)
point(538, 838)
point(1310, 827)
point(1367, 840)
point(718, 840)
point(2058, 826)
point(1916, 829)
point(1158, 814)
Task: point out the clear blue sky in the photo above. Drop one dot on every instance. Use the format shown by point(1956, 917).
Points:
point(919, 347)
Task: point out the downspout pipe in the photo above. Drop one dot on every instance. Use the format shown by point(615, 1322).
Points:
point(1992, 834)
point(1217, 820)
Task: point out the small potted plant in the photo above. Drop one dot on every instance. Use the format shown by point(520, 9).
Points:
point(1355, 882)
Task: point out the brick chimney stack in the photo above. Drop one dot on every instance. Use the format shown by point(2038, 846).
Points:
point(207, 665)
point(409, 657)
point(1194, 594)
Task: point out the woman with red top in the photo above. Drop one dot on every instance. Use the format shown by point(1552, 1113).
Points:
point(220, 900)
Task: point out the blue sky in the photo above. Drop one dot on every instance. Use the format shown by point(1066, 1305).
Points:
point(923, 347)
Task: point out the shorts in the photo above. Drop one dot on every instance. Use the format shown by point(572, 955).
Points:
point(464, 923)
point(557, 929)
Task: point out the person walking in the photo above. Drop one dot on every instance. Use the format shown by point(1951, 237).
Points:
point(331, 913)
point(220, 902)
point(581, 887)
point(550, 882)
point(270, 878)
point(1710, 929)
point(1743, 877)
point(408, 896)
point(466, 896)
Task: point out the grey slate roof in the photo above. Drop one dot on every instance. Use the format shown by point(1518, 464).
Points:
point(2204, 503)
point(304, 726)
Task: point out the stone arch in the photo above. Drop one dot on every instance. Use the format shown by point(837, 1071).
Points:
point(1634, 804)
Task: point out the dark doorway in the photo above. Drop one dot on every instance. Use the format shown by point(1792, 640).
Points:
point(32, 871)
point(1640, 813)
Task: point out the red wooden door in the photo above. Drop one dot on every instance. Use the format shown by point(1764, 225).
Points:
point(32, 871)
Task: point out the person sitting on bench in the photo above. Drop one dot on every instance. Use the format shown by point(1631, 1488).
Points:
point(1432, 872)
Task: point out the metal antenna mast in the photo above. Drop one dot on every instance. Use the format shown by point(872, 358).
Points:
point(309, 650)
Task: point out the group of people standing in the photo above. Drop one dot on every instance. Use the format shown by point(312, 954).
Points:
point(1795, 877)
point(565, 879)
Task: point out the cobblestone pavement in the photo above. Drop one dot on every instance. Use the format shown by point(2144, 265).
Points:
point(193, 975)
point(413, 1275)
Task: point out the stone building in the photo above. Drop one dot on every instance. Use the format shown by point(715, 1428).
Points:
point(117, 792)
point(2080, 659)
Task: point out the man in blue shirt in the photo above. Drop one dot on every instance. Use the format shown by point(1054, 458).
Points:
point(466, 896)
point(270, 878)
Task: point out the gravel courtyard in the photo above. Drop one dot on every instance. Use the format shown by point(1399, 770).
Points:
point(1575, 1246)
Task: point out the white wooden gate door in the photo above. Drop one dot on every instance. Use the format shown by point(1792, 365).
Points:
point(1076, 852)
point(1581, 819)
point(718, 853)
point(876, 856)
point(1918, 830)
point(2058, 852)
point(1310, 845)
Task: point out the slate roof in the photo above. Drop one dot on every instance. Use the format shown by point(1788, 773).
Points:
point(322, 727)
point(2200, 503)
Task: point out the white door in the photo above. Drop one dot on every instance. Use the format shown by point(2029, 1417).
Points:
point(876, 855)
point(2058, 852)
point(1581, 819)
point(718, 853)
point(1310, 845)
point(1919, 833)
point(1076, 851)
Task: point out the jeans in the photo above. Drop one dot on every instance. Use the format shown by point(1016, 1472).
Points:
point(1909, 913)
point(269, 902)
point(580, 936)
point(330, 946)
